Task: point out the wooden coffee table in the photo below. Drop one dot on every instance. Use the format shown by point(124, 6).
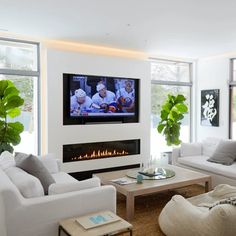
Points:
point(183, 177)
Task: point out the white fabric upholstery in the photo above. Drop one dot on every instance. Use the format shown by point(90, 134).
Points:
point(201, 162)
point(62, 177)
point(6, 160)
point(181, 217)
point(58, 188)
point(220, 173)
point(209, 145)
point(50, 162)
point(40, 216)
point(28, 185)
point(191, 149)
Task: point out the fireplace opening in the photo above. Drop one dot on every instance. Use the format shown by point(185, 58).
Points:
point(98, 150)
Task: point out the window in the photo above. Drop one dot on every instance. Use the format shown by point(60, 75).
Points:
point(232, 92)
point(19, 63)
point(168, 77)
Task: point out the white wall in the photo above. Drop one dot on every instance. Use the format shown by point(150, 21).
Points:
point(213, 73)
point(59, 62)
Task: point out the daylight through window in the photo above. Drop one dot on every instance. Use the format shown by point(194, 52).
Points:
point(19, 63)
point(168, 77)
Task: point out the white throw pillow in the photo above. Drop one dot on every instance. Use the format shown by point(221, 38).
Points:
point(7, 160)
point(209, 146)
point(50, 162)
point(28, 185)
point(58, 188)
point(190, 149)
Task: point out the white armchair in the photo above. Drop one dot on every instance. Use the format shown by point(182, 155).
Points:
point(181, 217)
point(39, 216)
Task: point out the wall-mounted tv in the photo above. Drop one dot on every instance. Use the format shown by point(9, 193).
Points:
point(90, 98)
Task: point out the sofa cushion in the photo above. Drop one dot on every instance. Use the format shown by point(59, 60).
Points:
point(20, 156)
point(190, 149)
point(62, 177)
point(58, 188)
point(6, 160)
point(28, 185)
point(50, 162)
point(225, 153)
point(201, 163)
point(35, 167)
point(209, 146)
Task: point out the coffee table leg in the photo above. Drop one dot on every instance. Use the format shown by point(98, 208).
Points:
point(62, 229)
point(129, 207)
point(208, 185)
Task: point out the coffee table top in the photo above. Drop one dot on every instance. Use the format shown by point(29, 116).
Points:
point(183, 177)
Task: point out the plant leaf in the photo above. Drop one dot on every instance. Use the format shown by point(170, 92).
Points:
point(14, 112)
point(6, 147)
point(14, 101)
point(160, 128)
point(17, 126)
point(3, 86)
point(164, 114)
point(182, 108)
point(180, 98)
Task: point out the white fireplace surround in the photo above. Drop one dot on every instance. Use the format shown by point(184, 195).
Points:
point(59, 62)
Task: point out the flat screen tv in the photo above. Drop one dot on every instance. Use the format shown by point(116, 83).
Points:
point(90, 98)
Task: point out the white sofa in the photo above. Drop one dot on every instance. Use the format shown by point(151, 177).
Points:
point(194, 156)
point(39, 216)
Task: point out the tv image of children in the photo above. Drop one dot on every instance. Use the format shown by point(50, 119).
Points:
point(80, 102)
point(126, 96)
point(103, 97)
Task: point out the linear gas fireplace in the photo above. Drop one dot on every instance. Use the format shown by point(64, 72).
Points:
point(91, 151)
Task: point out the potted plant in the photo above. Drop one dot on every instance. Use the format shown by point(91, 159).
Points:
point(10, 102)
point(172, 112)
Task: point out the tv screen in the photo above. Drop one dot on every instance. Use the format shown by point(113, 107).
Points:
point(89, 98)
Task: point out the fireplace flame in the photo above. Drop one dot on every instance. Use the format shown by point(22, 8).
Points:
point(100, 154)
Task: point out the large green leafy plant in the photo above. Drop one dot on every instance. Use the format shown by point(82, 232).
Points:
point(10, 103)
point(172, 113)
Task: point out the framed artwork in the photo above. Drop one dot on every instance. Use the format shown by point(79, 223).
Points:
point(210, 107)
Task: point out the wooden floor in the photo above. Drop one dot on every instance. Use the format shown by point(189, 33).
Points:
point(148, 208)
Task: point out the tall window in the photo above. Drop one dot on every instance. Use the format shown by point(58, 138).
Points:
point(168, 77)
point(19, 63)
point(232, 92)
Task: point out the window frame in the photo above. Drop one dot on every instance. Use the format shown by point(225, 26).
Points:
point(36, 74)
point(232, 84)
point(178, 83)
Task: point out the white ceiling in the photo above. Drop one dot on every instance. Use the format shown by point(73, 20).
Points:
point(181, 28)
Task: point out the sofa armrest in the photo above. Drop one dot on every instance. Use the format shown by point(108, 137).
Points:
point(44, 213)
point(175, 156)
point(58, 188)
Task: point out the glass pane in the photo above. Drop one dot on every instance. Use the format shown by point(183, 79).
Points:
point(233, 113)
point(170, 71)
point(158, 96)
point(28, 90)
point(18, 56)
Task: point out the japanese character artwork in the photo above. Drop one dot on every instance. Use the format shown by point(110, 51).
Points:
point(210, 107)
